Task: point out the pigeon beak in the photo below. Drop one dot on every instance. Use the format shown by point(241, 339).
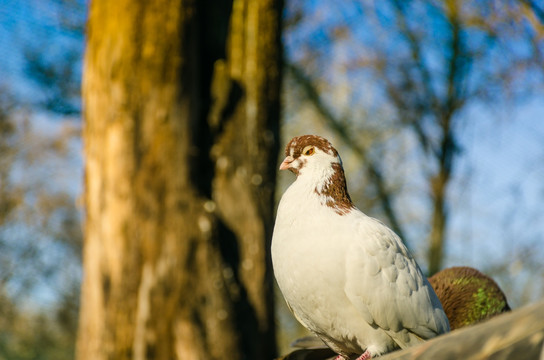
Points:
point(286, 164)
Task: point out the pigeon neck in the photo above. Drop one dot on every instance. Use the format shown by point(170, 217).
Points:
point(334, 192)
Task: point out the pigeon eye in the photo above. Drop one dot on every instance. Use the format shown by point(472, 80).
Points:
point(308, 150)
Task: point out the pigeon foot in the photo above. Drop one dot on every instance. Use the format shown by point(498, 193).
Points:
point(364, 356)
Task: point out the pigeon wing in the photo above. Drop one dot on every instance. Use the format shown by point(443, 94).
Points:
point(386, 286)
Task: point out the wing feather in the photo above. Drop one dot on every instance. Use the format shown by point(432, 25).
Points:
point(386, 286)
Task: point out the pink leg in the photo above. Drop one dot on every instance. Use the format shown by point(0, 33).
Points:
point(365, 356)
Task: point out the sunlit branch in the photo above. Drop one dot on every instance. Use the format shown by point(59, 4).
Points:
point(537, 10)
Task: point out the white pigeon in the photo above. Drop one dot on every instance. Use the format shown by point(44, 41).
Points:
point(347, 277)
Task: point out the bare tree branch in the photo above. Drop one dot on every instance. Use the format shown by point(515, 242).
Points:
point(537, 10)
point(515, 335)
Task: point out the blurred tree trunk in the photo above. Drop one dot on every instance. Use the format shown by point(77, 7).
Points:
point(180, 170)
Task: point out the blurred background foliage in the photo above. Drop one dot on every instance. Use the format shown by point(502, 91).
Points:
point(40, 177)
point(435, 106)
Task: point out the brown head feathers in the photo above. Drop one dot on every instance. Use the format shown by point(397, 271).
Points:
point(297, 144)
point(332, 190)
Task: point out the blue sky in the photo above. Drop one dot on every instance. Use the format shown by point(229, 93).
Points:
point(29, 26)
point(24, 26)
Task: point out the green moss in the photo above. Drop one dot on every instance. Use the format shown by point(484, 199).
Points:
point(485, 303)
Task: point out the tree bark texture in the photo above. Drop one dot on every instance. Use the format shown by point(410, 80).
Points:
point(181, 132)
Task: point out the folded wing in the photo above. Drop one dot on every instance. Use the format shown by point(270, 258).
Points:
point(387, 287)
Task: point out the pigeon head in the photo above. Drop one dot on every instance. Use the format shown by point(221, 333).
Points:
point(309, 153)
point(314, 159)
